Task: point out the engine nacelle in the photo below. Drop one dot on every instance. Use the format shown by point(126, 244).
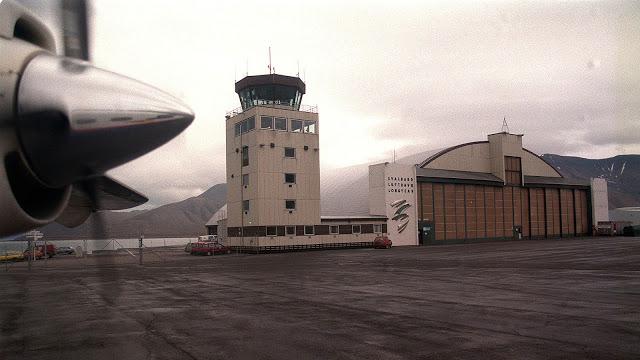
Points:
point(25, 202)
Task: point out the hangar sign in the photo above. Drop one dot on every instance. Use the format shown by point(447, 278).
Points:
point(392, 192)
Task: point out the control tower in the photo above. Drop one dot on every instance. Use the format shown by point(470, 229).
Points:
point(273, 167)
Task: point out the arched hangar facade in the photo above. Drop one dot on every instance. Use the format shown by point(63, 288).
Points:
point(480, 191)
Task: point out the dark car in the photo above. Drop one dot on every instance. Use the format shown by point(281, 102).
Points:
point(382, 242)
point(65, 250)
point(209, 248)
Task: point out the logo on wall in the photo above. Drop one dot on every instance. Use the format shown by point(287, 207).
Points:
point(399, 216)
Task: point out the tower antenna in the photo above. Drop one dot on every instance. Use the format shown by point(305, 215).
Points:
point(298, 73)
point(505, 127)
point(270, 68)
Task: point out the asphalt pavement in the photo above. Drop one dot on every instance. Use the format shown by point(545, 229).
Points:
point(546, 299)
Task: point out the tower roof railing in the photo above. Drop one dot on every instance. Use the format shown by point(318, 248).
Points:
point(303, 108)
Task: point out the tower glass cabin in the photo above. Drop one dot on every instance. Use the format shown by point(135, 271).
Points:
point(270, 90)
point(273, 167)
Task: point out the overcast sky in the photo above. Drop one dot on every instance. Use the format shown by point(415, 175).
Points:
point(410, 76)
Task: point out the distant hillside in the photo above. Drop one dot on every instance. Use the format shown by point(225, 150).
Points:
point(343, 192)
point(622, 173)
point(185, 218)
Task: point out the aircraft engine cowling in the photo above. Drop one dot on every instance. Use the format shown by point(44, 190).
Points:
point(24, 201)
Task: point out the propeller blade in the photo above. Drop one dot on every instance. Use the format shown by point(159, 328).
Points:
point(106, 194)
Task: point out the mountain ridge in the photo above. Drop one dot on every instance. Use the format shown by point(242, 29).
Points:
point(344, 191)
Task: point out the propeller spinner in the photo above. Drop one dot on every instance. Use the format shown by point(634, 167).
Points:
point(77, 121)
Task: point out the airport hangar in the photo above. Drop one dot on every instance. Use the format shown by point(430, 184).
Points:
point(479, 191)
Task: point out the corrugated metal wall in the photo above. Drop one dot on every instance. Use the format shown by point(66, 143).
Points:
point(470, 212)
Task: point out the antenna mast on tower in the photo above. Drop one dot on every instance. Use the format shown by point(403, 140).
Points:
point(505, 127)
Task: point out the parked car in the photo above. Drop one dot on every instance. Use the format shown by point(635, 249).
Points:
point(382, 242)
point(51, 250)
point(209, 248)
point(38, 254)
point(65, 250)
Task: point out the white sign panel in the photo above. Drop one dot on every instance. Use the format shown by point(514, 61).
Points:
point(400, 201)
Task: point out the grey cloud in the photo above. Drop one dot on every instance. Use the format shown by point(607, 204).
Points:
point(413, 76)
point(614, 134)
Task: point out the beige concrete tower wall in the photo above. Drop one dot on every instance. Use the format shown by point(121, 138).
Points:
point(234, 146)
point(267, 190)
point(472, 157)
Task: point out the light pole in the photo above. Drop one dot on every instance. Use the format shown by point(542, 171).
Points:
point(33, 236)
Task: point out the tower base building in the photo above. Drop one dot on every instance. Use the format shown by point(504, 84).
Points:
point(273, 174)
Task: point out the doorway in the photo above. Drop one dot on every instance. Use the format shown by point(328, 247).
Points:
point(426, 232)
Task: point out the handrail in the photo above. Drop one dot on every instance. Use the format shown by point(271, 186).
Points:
point(304, 108)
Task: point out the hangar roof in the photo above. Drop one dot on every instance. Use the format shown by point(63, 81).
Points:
point(555, 181)
point(474, 177)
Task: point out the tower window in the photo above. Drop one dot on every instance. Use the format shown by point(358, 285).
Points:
point(296, 126)
point(290, 178)
point(291, 230)
point(281, 124)
point(245, 126)
point(290, 204)
point(310, 127)
point(245, 156)
point(251, 123)
point(266, 122)
point(289, 152)
point(272, 231)
point(333, 230)
point(245, 205)
point(355, 229)
point(245, 179)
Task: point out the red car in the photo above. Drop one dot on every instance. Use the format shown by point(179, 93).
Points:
point(382, 242)
point(39, 251)
point(209, 248)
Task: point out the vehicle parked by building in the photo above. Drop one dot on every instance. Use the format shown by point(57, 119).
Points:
point(40, 251)
point(382, 242)
point(37, 254)
point(209, 248)
point(65, 250)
